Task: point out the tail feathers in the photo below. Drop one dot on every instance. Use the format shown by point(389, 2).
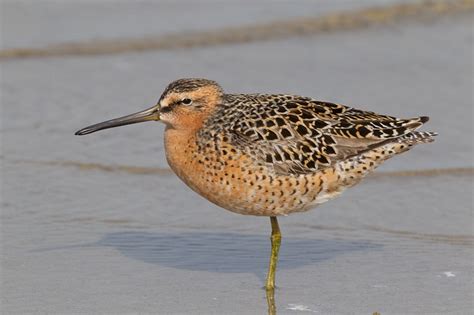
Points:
point(416, 137)
point(415, 123)
point(424, 119)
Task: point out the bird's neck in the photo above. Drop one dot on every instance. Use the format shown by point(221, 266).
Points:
point(180, 146)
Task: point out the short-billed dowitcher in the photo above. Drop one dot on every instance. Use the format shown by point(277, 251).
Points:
point(270, 155)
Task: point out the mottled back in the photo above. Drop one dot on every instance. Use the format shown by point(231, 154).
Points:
point(298, 135)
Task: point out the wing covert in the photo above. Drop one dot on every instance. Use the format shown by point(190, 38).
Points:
point(299, 135)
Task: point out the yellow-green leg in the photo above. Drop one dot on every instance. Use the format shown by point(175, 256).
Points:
point(276, 241)
point(271, 302)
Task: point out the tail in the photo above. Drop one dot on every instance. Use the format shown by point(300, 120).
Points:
point(367, 161)
point(416, 137)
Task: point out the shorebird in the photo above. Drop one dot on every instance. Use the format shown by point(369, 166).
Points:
point(270, 154)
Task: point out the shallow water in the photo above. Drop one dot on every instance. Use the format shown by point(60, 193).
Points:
point(82, 239)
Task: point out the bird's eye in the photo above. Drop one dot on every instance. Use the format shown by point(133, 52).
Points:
point(186, 101)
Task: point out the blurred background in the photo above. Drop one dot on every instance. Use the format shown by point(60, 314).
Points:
point(99, 224)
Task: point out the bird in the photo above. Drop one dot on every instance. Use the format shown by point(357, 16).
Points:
point(270, 154)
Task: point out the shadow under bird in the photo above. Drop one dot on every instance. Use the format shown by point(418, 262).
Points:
point(270, 154)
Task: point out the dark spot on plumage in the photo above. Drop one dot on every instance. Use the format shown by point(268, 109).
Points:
point(329, 150)
point(315, 133)
point(306, 114)
point(319, 124)
point(328, 139)
point(377, 133)
point(311, 143)
point(268, 158)
point(310, 164)
point(291, 105)
point(280, 121)
point(270, 123)
point(302, 130)
point(306, 149)
point(286, 155)
point(344, 124)
point(285, 133)
point(363, 131)
point(293, 118)
point(322, 159)
point(353, 132)
point(259, 123)
point(329, 104)
point(401, 130)
point(277, 157)
point(270, 135)
point(319, 109)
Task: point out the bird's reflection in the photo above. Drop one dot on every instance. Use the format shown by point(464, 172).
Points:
point(227, 252)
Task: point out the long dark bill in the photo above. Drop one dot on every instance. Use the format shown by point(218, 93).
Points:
point(149, 114)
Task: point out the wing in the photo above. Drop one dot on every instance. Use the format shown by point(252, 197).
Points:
point(299, 135)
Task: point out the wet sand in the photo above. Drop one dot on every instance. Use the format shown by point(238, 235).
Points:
point(103, 240)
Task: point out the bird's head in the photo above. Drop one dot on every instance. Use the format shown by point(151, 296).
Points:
point(185, 103)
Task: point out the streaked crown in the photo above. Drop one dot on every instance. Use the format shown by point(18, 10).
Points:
point(190, 85)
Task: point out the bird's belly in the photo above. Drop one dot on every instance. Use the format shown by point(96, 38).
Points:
point(238, 185)
point(261, 194)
